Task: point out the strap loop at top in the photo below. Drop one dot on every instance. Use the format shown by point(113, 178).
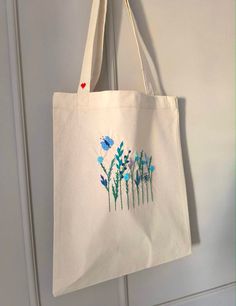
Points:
point(93, 54)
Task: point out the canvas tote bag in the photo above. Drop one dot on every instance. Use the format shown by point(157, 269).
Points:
point(120, 201)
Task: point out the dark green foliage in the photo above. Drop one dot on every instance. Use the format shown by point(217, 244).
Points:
point(115, 187)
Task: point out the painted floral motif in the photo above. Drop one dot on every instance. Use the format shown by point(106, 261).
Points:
point(126, 178)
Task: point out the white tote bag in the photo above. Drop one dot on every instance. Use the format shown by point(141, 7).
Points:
point(120, 201)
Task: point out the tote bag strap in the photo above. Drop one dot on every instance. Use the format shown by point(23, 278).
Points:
point(93, 53)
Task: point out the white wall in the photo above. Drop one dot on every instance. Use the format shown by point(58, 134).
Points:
point(13, 276)
point(192, 44)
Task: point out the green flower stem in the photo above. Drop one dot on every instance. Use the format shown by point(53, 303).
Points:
point(150, 175)
point(132, 184)
point(122, 170)
point(109, 200)
point(108, 183)
point(138, 195)
point(110, 169)
point(108, 174)
point(151, 187)
point(127, 192)
point(121, 201)
point(141, 174)
point(103, 168)
point(118, 156)
point(142, 187)
point(147, 191)
point(109, 180)
point(115, 187)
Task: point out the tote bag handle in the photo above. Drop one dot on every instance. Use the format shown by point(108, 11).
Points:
point(93, 53)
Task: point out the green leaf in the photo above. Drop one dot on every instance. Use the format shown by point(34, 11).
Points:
point(149, 164)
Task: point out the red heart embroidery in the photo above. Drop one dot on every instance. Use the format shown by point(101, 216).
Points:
point(83, 85)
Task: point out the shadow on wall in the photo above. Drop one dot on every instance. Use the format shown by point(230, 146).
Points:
point(188, 175)
point(141, 19)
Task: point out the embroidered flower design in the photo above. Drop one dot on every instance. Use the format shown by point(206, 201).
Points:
point(126, 173)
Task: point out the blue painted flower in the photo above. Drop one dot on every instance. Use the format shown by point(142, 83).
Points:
point(107, 143)
point(126, 176)
point(152, 168)
point(103, 181)
point(100, 159)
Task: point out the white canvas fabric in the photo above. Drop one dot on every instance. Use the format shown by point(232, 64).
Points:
point(120, 201)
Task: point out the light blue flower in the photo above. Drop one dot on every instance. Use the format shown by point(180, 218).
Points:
point(100, 159)
point(152, 168)
point(126, 177)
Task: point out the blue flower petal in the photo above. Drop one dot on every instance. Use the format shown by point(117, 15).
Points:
point(126, 176)
point(100, 159)
point(103, 181)
point(152, 168)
